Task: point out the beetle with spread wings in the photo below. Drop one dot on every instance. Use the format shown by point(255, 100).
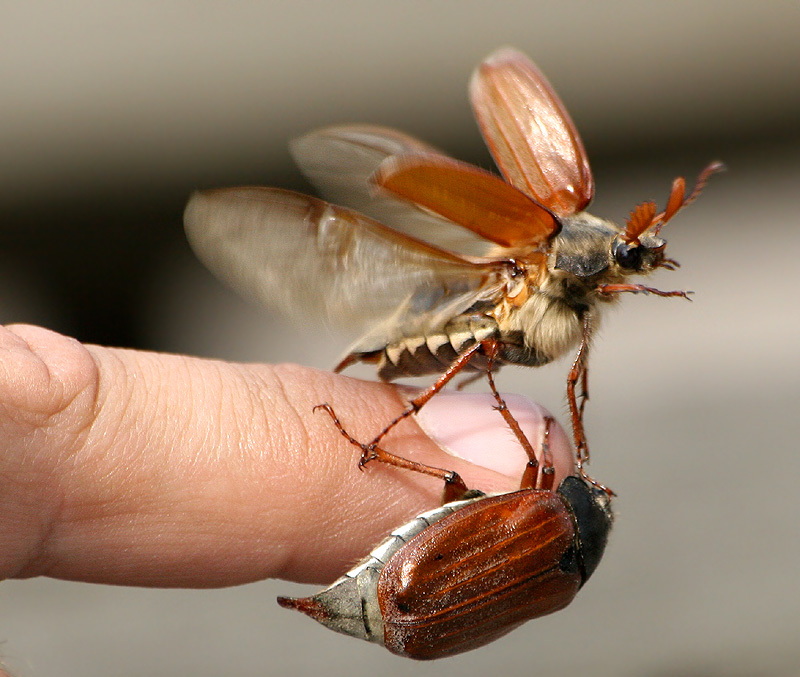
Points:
point(441, 265)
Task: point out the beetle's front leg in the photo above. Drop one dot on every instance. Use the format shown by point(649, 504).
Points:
point(577, 374)
point(609, 289)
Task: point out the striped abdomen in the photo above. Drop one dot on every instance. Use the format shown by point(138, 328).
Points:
point(433, 353)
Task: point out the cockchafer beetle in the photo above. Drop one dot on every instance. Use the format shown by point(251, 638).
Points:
point(443, 266)
point(462, 575)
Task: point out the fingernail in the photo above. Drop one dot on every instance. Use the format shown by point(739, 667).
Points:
point(467, 426)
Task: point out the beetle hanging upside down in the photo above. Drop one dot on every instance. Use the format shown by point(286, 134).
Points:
point(462, 575)
point(444, 267)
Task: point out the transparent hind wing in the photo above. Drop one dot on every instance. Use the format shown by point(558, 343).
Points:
point(314, 262)
point(340, 162)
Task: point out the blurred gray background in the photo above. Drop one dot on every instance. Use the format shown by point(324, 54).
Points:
point(112, 113)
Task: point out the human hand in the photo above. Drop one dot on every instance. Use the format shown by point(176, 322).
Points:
point(139, 468)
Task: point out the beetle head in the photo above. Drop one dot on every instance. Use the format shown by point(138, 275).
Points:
point(591, 507)
point(638, 248)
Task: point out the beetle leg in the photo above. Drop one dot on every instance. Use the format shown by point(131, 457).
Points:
point(454, 486)
point(584, 395)
point(608, 289)
point(578, 374)
point(418, 402)
point(533, 474)
point(367, 454)
point(548, 473)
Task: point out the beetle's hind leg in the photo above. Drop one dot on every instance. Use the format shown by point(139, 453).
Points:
point(424, 397)
point(454, 486)
point(535, 473)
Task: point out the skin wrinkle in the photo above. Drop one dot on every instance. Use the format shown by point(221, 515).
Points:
point(109, 429)
point(328, 491)
point(106, 381)
point(80, 511)
point(41, 558)
point(56, 383)
point(258, 432)
point(300, 444)
point(175, 428)
point(184, 454)
point(214, 441)
point(295, 439)
point(26, 410)
point(199, 395)
point(262, 407)
point(151, 486)
point(300, 440)
point(36, 559)
point(73, 510)
point(189, 430)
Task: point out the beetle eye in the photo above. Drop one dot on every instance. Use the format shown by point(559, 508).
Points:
point(628, 256)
